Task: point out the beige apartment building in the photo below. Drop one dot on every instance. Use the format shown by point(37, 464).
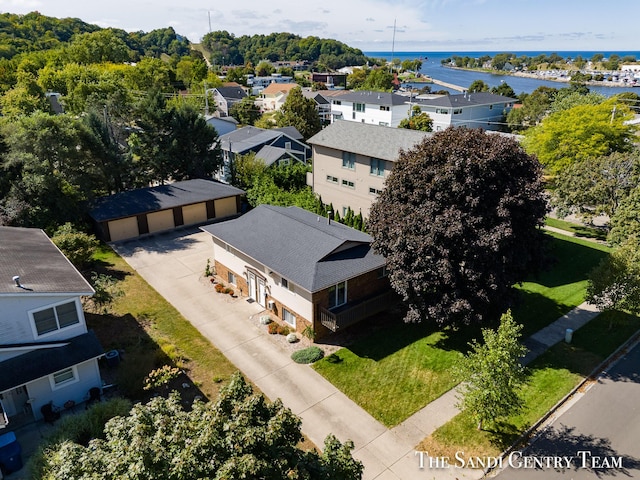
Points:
point(351, 161)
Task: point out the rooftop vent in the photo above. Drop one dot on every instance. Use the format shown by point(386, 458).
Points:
point(16, 278)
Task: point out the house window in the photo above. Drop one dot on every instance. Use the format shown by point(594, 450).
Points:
point(337, 102)
point(288, 317)
point(231, 278)
point(358, 107)
point(374, 191)
point(338, 294)
point(332, 179)
point(286, 284)
point(348, 184)
point(457, 111)
point(383, 124)
point(382, 272)
point(63, 377)
point(55, 318)
point(376, 167)
point(384, 108)
point(349, 160)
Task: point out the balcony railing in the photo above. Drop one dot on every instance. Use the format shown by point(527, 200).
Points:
point(349, 314)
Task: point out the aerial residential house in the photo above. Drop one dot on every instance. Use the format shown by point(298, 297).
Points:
point(375, 108)
point(306, 270)
point(46, 352)
point(227, 96)
point(330, 79)
point(274, 96)
point(474, 110)
point(352, 160)
point(323, 105)
point(135, 213)
point(274, 146)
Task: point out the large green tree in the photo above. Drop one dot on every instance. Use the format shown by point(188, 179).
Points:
point(300, 112)
point(417, 120)
point(241, 435)
point(595, 186)
point(492, 373)
point(581, 132)
point(458, 224)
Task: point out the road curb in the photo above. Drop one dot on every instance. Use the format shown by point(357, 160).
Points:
point(532, 432)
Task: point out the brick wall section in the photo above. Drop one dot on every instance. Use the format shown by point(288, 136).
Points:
point(358, 288)
point(222, 272)
point(301, 322)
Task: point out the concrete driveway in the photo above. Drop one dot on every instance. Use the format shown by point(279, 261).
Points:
point(174, 264)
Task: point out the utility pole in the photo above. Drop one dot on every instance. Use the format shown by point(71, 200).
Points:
point(393, 44)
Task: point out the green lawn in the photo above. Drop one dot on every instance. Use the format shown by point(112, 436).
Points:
point(561, 288)
point(396, 371)
point(577, 229)
point(553, 375)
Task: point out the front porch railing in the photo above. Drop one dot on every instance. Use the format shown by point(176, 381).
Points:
point(347, 315)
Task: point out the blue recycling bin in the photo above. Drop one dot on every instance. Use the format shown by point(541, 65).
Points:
point(10, 453)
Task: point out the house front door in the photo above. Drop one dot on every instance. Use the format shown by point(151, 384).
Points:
point(252, 286)
point(15, 400)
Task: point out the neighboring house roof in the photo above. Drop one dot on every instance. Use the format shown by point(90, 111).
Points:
point(290, 132)
point(234, 93)
point(317, 96)
point(271, 155)
point(45, 361)
point(231, 120)
point(371, 140)
point(368, 97)
point(274, 88)
point(162, 197)
point(42, 268)
point(465, 100)
point(248, 138)
point(299, 245)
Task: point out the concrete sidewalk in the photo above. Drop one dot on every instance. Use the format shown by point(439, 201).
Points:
point(174, 263)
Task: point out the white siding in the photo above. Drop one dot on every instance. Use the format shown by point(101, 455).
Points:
point(16, 325)
point(298, 301)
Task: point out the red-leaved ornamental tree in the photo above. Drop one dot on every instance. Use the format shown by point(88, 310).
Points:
point(458, 222)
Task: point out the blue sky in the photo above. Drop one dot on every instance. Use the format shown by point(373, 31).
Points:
point(421, 25)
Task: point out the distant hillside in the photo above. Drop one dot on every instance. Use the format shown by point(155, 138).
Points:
point(34, 32)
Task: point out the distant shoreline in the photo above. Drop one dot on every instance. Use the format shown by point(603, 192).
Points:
point(544, 75)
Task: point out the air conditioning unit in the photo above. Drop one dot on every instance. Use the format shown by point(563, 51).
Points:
point(271, 304)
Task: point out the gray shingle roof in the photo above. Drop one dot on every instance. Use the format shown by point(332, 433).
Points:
point(270, 154)
point(42, 268)
point(234, 93)
point(248, 138)
point(366, 139)
point(144, 200)
point(300, 245)
point(465, 100)
point(44, 361)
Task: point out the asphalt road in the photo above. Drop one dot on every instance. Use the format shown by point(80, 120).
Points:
point(597, 438)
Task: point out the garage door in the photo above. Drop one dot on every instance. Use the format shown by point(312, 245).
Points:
point(194, 213)
point(226, 207)
point(123, 228)
point(159, 221)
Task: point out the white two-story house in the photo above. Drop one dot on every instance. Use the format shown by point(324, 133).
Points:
point(46, 352)
point(473, 110)
point(364, 106)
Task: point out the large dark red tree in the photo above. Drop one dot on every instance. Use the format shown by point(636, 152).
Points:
point(458, 222)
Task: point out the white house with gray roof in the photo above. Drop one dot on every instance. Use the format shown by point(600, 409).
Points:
point(46, 352)
point(304, 269)
point(473, 110)
point(365, 106)
point(352, 160)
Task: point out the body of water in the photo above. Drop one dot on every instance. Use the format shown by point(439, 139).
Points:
point(432, 66)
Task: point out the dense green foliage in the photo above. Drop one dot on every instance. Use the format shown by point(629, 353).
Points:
point(300, 112)
point(77, 246)
point(471, 204)
point(241, 435)
point(492, 373)
point(581, 132)
point(227, 49)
